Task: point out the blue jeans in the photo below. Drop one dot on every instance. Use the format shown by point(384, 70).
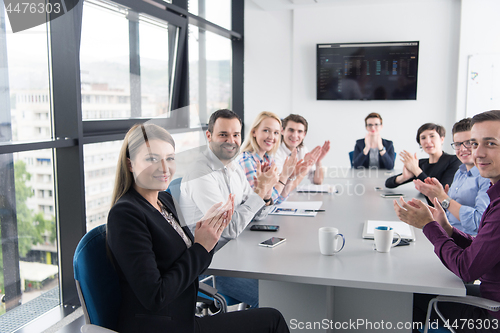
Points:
point(244, 290)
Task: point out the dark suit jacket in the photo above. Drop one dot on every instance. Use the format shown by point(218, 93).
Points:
point(384, 162)
point(158, 273)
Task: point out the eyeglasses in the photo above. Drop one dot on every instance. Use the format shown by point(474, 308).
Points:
point(456, 145)
point(373, 125)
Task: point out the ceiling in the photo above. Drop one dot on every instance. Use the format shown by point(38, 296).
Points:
point(270, 5)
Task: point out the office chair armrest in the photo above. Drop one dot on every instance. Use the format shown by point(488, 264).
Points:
point(479, 302)
point(469, 300)
point(207, 290)
point(209, 278)
point(89, 328)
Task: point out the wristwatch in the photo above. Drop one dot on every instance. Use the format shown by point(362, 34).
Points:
point(446, 203)
point(381, 150)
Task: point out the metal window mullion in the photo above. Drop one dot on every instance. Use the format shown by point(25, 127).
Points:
point(238, 51)
point(173, 40)
point(143, 7)
point(202, 68)
point(180, 8)
point(65, 35)
point(180, 91)
point(135, 65)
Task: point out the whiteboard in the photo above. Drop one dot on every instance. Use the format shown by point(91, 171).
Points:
point(483, 83)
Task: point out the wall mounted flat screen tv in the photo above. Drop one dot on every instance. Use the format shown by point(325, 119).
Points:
point(367, 71)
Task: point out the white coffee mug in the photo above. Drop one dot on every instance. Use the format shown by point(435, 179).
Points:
point(328, 238)
point(384, 236)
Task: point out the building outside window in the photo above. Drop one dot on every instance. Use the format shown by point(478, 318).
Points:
point(133, 67)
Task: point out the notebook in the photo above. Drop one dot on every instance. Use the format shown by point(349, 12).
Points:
point(406, 231)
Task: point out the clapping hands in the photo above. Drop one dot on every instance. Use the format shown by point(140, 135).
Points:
point(210, 227)
point(267, 177)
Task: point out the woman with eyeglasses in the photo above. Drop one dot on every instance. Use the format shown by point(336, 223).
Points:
point(439, 165)
point(373, 151)
point(465, 200)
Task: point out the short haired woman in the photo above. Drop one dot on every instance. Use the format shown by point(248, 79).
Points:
point(440, 165)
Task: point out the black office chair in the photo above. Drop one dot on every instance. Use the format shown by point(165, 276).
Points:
point(470, 300)
point(351, 158)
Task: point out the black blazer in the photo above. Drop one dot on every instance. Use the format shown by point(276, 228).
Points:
point(158, 273)
point(444, 170)
point(362, 160)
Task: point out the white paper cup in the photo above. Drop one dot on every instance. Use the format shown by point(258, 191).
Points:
point(384, 236)
point(328, 239)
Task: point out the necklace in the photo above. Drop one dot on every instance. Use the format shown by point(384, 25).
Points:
point(173, 222)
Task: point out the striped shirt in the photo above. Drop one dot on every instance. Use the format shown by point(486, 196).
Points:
point(248, 162)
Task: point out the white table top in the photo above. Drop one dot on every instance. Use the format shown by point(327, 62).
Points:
point(413, 268)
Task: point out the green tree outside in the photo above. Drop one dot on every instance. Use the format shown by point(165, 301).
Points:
point(31, 226)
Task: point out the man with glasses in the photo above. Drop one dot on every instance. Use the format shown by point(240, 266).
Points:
point(373, 151)
point(466, 199)
point(470, 258)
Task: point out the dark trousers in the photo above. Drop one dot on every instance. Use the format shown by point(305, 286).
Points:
point(262, 320)
point(477, 318)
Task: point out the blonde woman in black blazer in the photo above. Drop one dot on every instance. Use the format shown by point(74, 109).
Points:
point(157, 259)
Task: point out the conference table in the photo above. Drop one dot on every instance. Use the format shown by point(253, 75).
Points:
point(357, 289)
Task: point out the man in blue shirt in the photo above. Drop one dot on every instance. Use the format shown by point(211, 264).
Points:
point(466, 199)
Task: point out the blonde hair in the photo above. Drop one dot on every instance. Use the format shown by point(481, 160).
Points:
point(250, 143)
point(134, 139)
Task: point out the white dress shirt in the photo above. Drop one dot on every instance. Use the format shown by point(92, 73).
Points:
point(283, 152)
point(208, 182)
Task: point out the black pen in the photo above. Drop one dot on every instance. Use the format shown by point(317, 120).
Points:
point(313, 210)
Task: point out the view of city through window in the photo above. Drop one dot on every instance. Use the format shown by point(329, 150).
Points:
point(110, 89)
point(29, 270)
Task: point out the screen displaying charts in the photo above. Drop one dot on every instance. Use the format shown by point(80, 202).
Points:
point(367, 71)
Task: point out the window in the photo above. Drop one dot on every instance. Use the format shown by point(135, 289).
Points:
point(36, 271)
point(209, 74)
point(28, 213)
point(28, 80)
point(104, 60)
point(133, 66)
point(154, 63)
point(131, 77)
point(216, 11)
point(99, 179)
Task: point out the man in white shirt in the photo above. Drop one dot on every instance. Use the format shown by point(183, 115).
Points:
point(292, 137)
point(212, 177)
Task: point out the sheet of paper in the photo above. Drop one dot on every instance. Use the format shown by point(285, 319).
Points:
point(400, 227)
point(312, 188)
point(297, 208)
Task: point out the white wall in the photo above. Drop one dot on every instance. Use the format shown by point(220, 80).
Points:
point(480, 34)
point(268, 61)
point(280, 67)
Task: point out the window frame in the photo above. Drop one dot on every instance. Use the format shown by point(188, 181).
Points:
point(71, 133)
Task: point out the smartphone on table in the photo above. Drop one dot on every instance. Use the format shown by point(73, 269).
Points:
point(391, 195)
point(264, 227)
point(272, 242)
